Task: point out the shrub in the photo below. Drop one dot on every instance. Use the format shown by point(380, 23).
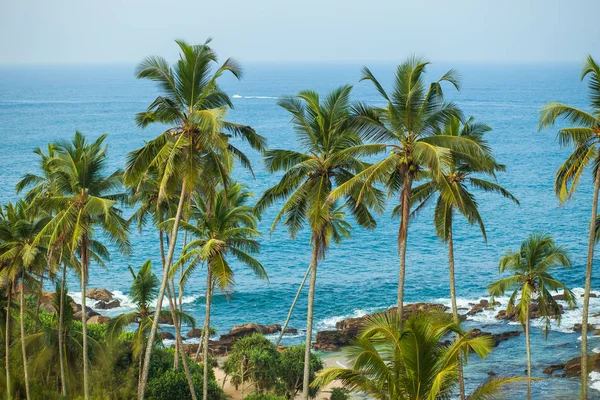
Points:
point(173, 385)
point(291, 370)
point(339, 394)
point(265, 396)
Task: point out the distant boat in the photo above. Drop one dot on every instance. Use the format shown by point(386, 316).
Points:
point(236, 96)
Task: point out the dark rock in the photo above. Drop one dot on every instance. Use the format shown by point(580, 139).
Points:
point(240, 331)
point(573, 366)
point(165, 319)
point(99, 294)
point(497, 337)
point(482, 305)
point(166, 336)
point(514, 315)
point(348, 329)
point(579, 327)
point(102, 305)
point(592, 295)
point(291, 331)
point(49, 308)
point(491, 373)
point(552, 368)
point(194, 333)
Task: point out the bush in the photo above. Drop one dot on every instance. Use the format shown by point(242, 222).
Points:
point(291, 370)
point(173, 385)
point(266, 396)
point(339, 394)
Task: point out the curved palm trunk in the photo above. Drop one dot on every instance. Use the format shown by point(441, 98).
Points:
point(39, 301)
point(84, 273)
point(455, 316)
point(587, 289)
point(22, 323)
point(402, 239)
point(61, 348)
point(175, 306)
point(161, 294)
point(287, 320)
point(7, 342)
point(179, 343)
point(206, 333)
point(527, 343)
point(309, 318)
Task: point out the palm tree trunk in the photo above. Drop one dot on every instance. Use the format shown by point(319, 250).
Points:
point(527, 343)
point(61, 348)
point(22, 321)
point(84, 272)
point(455, 316)
point(587, 289)
point(7, 341)
point(179, 342)
point(39, 302)
point(287, 320)
point(309, 317)
point(206, 333)
point(402, 240)
point(174, 305)
point(161, 294)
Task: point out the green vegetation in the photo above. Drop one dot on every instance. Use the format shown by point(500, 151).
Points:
point(417, 148)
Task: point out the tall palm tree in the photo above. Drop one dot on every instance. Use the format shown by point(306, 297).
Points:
point(410, 362)
point(225, 228)
point(531, 266)
point(194, 107)
point(85, 202)
point(330, 145)
point(23, 257)
point(585, 138)
point(405, 129)
point(454, 196)
point(143, 292)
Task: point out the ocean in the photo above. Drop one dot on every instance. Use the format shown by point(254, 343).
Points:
point(39, 104)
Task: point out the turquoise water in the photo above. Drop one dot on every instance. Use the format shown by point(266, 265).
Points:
point(38, 105)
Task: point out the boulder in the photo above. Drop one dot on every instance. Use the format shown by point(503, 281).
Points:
point(166, 336)
point(290, 331)
point(99, 294)
point(240, 331)
point(578, 327)
point(165, 319)
point(552, 368)
point(102, 305)
point(497, 337)
point(348, 329)
point(49, 308)
point(573, 366)
point(479, 307)
point(514, 315)
point(194, 333)
point(98, 319)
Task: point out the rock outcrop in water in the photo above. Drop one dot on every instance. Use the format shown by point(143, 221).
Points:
point(99, 294)
point(476, 308)
point(103, 305)
point(349, 328)
point(514, 315)
point(497, 337)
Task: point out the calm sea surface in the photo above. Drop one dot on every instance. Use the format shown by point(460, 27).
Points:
point(42, 104)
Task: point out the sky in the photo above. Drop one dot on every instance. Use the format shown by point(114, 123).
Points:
point(125, 31)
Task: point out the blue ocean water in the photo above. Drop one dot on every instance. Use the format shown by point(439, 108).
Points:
point(42, 104)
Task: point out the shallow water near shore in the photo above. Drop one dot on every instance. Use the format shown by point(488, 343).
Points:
point(38, 105)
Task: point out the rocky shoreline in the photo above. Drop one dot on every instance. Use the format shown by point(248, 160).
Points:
point(327, 340)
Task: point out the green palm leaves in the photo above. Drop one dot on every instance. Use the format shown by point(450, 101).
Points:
point(585, 138)
point(391, 362)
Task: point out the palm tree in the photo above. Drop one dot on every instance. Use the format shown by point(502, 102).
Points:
point(585, 137)
point(330, 147)
point(531, 266)
point(406, 128)
point(197, 143)
point(143, 292)
point(410, 362)
point(85, 202)
point(225, 228)
point(22, 257)
point(454, 196)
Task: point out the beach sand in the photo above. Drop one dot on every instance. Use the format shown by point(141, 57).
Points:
point(330, 359)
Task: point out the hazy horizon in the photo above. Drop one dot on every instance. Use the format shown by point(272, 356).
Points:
point(71, 32)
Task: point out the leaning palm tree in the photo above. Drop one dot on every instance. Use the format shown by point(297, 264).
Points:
point(22, 257)
point(225, 227)
point(532, 280)
point(391, 361)
point(585, 137)
point(330, 147)
point(194, 107)
point(454, 196)
point(405, 128)
point(85, 202)
point(143, 292)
